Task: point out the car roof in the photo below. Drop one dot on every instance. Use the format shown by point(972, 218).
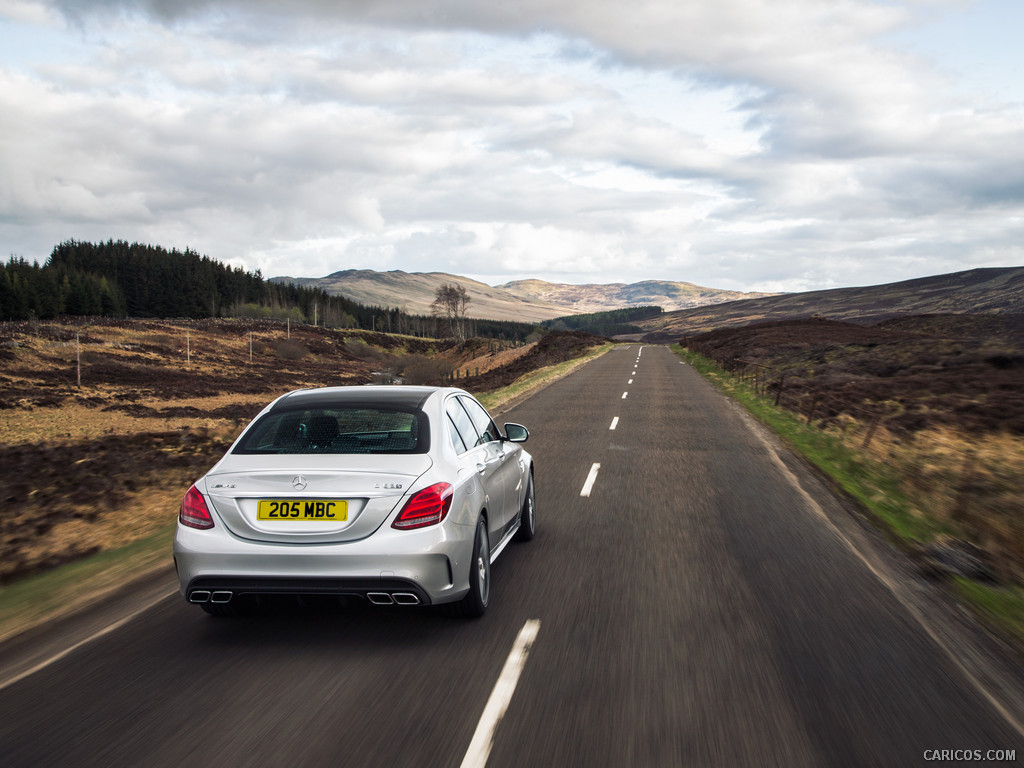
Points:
point(401, 397)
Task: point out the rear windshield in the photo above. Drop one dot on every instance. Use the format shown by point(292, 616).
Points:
point(338, 429)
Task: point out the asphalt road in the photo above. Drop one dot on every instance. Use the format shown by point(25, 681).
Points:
point(706, 603)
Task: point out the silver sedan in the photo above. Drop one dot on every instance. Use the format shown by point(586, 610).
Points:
point(400, 495)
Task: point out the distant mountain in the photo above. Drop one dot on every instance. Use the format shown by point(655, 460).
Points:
point(581, 299)
point(522, 300)
point(976, 291)
point(415, 291)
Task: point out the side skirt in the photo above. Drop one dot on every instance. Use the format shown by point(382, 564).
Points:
point(504, 541)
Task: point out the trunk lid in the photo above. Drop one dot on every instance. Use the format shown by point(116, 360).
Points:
point(310, 499)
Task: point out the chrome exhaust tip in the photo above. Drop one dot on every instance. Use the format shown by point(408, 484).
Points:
point(380, 598)
point(199, 596)
point(406, 598)
point(221, 597)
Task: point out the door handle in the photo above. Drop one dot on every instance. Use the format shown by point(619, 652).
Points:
point(481, 467)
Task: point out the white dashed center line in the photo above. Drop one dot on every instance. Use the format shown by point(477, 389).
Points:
point(624, 395)
point(591, 479)
point(480, 747)
point(615, 423)
point(630, 381)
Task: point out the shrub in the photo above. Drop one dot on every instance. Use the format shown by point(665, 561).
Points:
point(288, 349)
point(363, 351)
point(420, 369)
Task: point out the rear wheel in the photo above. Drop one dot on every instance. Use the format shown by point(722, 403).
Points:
point(528, 515)
point(474, 604)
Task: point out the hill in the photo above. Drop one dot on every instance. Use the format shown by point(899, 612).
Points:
point(415, 291)
point(118, 279)
point(976, 291)
point(521, 300)
point(602, 297)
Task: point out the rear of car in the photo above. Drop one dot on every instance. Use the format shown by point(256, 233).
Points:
point(338, 491)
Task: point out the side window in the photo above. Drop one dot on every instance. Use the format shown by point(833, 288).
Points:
point(463, 424)
point(453, 432)
point(481, 420)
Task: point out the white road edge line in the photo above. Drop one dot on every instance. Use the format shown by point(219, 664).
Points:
point(615, 422)
point(894, 588)
point(480, 747)
point(96, 635)
point(588, 486)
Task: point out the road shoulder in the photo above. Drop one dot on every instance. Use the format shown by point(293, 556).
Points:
point(990, 664)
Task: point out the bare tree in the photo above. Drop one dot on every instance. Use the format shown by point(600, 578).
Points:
point(450, 302)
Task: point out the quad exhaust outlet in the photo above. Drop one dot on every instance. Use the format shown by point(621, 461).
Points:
point(392, 598)
point(206, 596)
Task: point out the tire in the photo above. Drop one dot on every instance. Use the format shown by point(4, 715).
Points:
point(528, 515)
point(474, 604)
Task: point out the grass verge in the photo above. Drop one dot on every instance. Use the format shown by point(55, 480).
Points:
point(874, 485)
point(531, 382)
point(37, 599)
point(1000, 605)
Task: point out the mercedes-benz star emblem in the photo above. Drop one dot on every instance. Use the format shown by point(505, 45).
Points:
point(298, 482)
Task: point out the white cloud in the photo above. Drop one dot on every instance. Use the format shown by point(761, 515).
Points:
point(28, 12)
point(731, 142)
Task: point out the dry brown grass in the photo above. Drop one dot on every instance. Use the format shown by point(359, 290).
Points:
point(98, 466)
point(477, 357)
point(65, 499)
point(146, 512)
point(971, 484)
point(76, 421)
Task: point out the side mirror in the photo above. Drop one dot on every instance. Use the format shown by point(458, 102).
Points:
point(516, 433)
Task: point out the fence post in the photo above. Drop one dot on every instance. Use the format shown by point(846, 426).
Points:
point(78, 355)
point(871, 431)
point(814, 406)
point(966, 489)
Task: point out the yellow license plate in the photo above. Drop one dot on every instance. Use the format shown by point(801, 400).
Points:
point(307, 509)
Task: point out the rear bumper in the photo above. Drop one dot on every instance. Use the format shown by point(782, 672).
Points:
point(218, 589)
point(431, 564)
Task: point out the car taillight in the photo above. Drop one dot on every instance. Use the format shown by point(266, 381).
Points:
point(427, 507)
point(194, 512)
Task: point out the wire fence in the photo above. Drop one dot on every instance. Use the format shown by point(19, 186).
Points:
point(970, 484)
point(788, 390)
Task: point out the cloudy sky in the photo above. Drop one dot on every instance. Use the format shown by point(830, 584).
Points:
point(744, 144)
